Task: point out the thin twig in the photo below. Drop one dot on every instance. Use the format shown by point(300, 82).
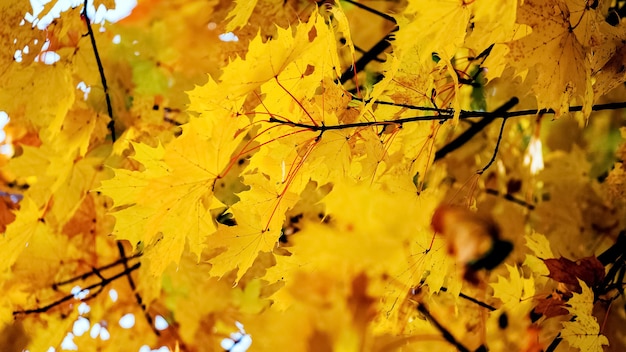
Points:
point(92, 272)
point(111, 124)
point(475, 129)
point(471, 299)
point(99, 285)
point(555, 343)
point(469, 114)
point(495, 150)
point(510, 197)
point(373, 11)
point(369, 56)
point(131, 282)
point(446, 334)
point(441, 115)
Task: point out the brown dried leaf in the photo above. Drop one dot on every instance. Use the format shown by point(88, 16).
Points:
point(550, 306)
point(588, 269)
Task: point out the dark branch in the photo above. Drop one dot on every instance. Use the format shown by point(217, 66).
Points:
point(124, 259)
point(99, 285)
point(111, 124)
point(93, 272)
point(324, 128)
point(495, 150)
point(448, 114)
point(471, 299)
point(443, 115)
point(371, 10)
point(362, 51)
point(615, 251)
point(446, 334)
point(369, 56)
point(469, 114)
point(555, 343)
point(475, 129)
point(616, 13)
point(131, 282)
point(510, 197)
point(409, 106)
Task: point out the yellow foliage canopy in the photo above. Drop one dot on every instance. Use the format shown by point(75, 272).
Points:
point(263, 174)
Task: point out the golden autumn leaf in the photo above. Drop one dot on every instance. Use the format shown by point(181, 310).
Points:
point(240, 14)
point(184, 173)
point(21, 231)
point(514, 292)
point(269, 175)
point(584, 331)
point(552, 55)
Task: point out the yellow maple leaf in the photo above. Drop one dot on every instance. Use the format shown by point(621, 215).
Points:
point(284, 157)
point(291, 51)
point(19, 85)
point(540, 246)
point(584, 331)
point(167, 204)
point(343, 25)
point(239, 15)
point(515, 292)
point(259, 215)
point(493, 22)
point(423, 28)
point(248, 298)
point(611, 74)
point(57, 178)
point(553, 56)
point(420, 38)
point(186, 288)
point(28, 223)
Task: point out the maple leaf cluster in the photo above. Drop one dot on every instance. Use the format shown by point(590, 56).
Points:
point(298, 175)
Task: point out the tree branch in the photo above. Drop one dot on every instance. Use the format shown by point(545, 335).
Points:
point(475, 129)
point(615, 251)
point(510, 197)
point(84, 276)
point(555, 343)
point(446, 334)
point(104, 282)
point(495, 150)
point(369, 56)
point(471, 299)
point(469, 114)
point(131, 282)
point(111, 124)
point(373, 11)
